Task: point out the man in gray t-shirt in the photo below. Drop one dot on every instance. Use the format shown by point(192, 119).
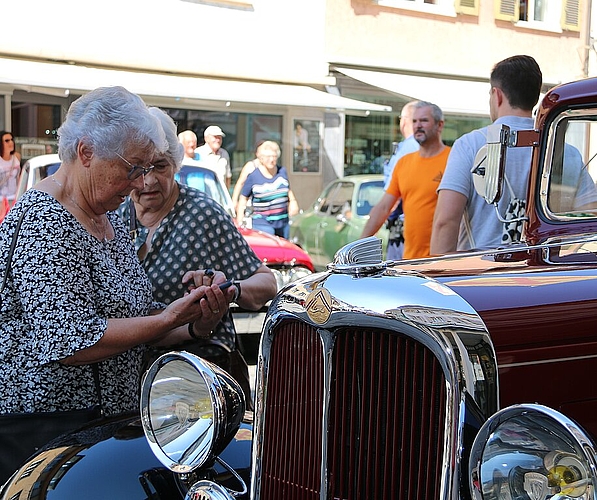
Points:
point(515, 88)
point(480, 228)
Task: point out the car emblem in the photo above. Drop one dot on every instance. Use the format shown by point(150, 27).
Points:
point(319, 306)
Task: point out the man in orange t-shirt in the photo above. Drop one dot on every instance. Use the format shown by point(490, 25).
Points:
point(415, 179)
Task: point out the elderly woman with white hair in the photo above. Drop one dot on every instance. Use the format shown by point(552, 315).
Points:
point(76, 306)
point(178, 228)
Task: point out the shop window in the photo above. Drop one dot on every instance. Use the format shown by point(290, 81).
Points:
point(370, 140)
point(35, 128)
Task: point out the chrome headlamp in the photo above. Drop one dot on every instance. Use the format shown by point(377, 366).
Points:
point(534, 452)
point(190, 410)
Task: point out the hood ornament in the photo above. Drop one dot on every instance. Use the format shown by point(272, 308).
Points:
point(358, 257)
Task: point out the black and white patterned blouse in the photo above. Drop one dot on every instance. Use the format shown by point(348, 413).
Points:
point(197, 233)
point(63, 285)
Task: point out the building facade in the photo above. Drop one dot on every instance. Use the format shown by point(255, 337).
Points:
point(340, 70)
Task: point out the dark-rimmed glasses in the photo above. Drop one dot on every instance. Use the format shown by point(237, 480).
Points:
point(136, 171)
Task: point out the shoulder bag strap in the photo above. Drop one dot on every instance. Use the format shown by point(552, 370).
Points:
point(96, 380)
point(13, 245)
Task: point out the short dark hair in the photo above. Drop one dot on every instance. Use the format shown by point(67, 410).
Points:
point(520, 79)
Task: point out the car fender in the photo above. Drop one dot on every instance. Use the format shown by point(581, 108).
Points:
point(112, 459)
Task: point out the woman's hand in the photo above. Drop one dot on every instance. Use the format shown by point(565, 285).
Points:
point(204, 306)
point(203, 277)
point(215, 301)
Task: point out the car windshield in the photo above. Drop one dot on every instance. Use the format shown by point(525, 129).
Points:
point(368, 196)
point(202, 179)
point(37, 175)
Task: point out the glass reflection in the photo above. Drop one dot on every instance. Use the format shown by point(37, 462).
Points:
point(179, 401)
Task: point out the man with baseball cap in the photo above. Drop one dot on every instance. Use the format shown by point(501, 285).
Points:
point(213, 155)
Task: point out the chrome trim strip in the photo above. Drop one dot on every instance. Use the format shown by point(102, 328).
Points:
point(546, 361)
point(548, 244)
point(327, 342)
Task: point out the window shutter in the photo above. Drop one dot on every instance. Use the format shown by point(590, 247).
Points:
point(571, 15)
point(506, 10)
point(469, 7)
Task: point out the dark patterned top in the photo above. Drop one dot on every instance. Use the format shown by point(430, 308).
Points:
point(197, 233)
point(63, 285)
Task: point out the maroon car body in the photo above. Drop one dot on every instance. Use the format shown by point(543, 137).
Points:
point(539, 303)
point(468, 375)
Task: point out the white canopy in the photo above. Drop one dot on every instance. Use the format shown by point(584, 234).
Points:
point(61, 78)
point(463, 97)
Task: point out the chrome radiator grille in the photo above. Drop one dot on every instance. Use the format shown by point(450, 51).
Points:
point(385, 435)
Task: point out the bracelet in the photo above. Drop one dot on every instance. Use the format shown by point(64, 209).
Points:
point(192, 332)
point(238, 291)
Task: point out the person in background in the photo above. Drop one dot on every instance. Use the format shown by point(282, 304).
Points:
point(214, 156)
point(77, 307)
point(178, 228)
point(302, 147)
point(248, 167)
point(188, 139)
point(395, 222)
point(269, 189)
point(10, 167)
point(407, 145)
point(515, 85)
point(415, 180)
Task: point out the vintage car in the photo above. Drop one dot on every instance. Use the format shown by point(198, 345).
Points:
point(337, 217)
point(457, 377)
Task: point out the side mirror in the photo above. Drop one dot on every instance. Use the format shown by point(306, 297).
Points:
point(490, 161)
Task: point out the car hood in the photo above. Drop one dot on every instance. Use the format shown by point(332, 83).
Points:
point(513, 294)
point(275, 250)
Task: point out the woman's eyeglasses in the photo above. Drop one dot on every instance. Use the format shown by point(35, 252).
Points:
point(136, 171)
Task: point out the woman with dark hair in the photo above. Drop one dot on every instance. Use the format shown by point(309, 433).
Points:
point(10, 167)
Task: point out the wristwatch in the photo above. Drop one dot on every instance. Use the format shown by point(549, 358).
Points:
point(238, 291)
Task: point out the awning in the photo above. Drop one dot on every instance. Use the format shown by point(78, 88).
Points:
point(460, 97)
point(31, 75)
